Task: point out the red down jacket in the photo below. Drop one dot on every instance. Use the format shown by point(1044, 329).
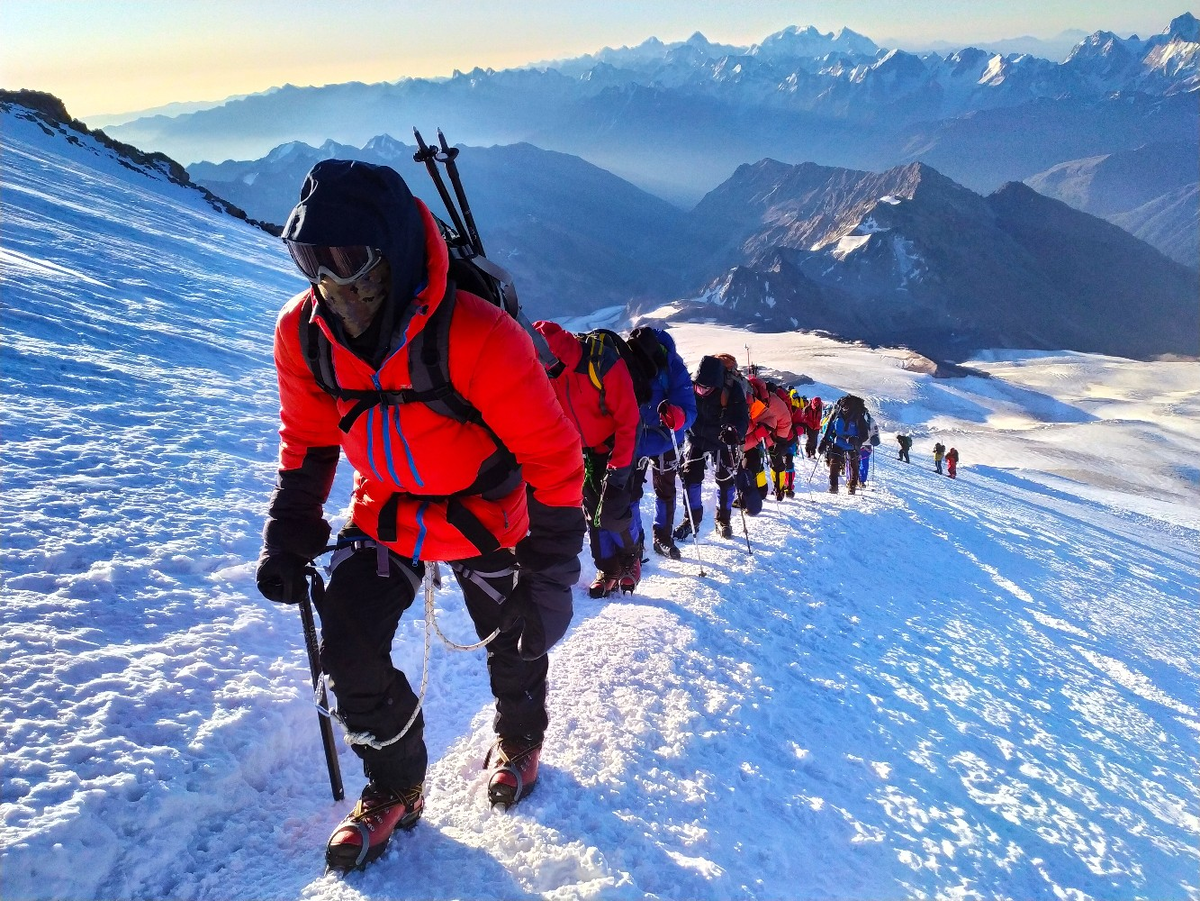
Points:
point(613, 428)
point(407, 458)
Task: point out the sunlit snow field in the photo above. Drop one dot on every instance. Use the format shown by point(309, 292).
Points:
point(980, 688)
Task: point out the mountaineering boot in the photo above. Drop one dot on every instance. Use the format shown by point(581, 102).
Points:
point(664, 544)
point(603, 585)
point(513, 769)
point(685, 527)
point(723, 527)
point(631, 573)
point(365, 832)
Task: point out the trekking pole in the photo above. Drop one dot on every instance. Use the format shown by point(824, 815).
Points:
point(737, 460)
point(746, 532)
point(428, 155)
point(814, 469)
point(320, 696)
point(687, 506)
point(446, 158)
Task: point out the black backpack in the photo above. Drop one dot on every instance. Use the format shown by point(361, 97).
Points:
point(852, 409)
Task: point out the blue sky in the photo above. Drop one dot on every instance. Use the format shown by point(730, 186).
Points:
point(108, 56)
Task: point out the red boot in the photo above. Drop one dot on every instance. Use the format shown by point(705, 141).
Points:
point(631, 574)
point(513, 765)
point(366, 831)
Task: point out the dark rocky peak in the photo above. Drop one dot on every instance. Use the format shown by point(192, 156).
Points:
point(1185, 27)
point(919, 180)
point(969, 59)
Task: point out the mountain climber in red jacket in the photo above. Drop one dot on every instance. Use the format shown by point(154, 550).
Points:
point(812, 426)
point(596, 392)
point(461, 454)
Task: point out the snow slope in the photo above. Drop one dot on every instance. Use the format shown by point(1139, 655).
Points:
point(982, 688)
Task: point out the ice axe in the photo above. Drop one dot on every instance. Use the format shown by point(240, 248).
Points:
point(316, 586)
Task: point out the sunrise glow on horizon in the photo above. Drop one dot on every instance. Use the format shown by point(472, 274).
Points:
point(114, 56)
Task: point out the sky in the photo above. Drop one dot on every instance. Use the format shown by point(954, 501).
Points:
point(978, 688)
point(114, 56)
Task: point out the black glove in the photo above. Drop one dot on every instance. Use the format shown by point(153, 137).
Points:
point(822, 447)
point(548, 558)
point(729, 435)
point(519, 611)
point(281, 576)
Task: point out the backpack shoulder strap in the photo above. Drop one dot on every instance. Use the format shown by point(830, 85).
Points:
point(316, 350)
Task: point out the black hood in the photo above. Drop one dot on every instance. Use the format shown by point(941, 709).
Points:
point(648, 351)
point(711, 373)
point(351, 202)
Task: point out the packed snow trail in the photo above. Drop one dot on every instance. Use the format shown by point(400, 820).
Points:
point(975, 688)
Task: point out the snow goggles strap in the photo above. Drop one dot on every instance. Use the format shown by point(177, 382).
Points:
point(341, 265)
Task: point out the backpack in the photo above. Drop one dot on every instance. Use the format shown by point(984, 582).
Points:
point(601, 349)
point(853, 411)
point(429, 353)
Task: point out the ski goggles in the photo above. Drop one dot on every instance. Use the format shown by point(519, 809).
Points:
point(341, 265)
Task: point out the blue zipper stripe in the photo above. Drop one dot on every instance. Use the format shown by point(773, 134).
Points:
point(387, 440)
point(420, 532)
point(371, 442)
point(412, 464)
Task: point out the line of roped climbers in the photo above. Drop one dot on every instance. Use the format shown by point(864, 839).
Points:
point(464, 452)
point(637, 409)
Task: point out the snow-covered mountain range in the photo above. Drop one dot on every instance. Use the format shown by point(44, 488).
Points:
point(984, 687)
point(676, 119)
